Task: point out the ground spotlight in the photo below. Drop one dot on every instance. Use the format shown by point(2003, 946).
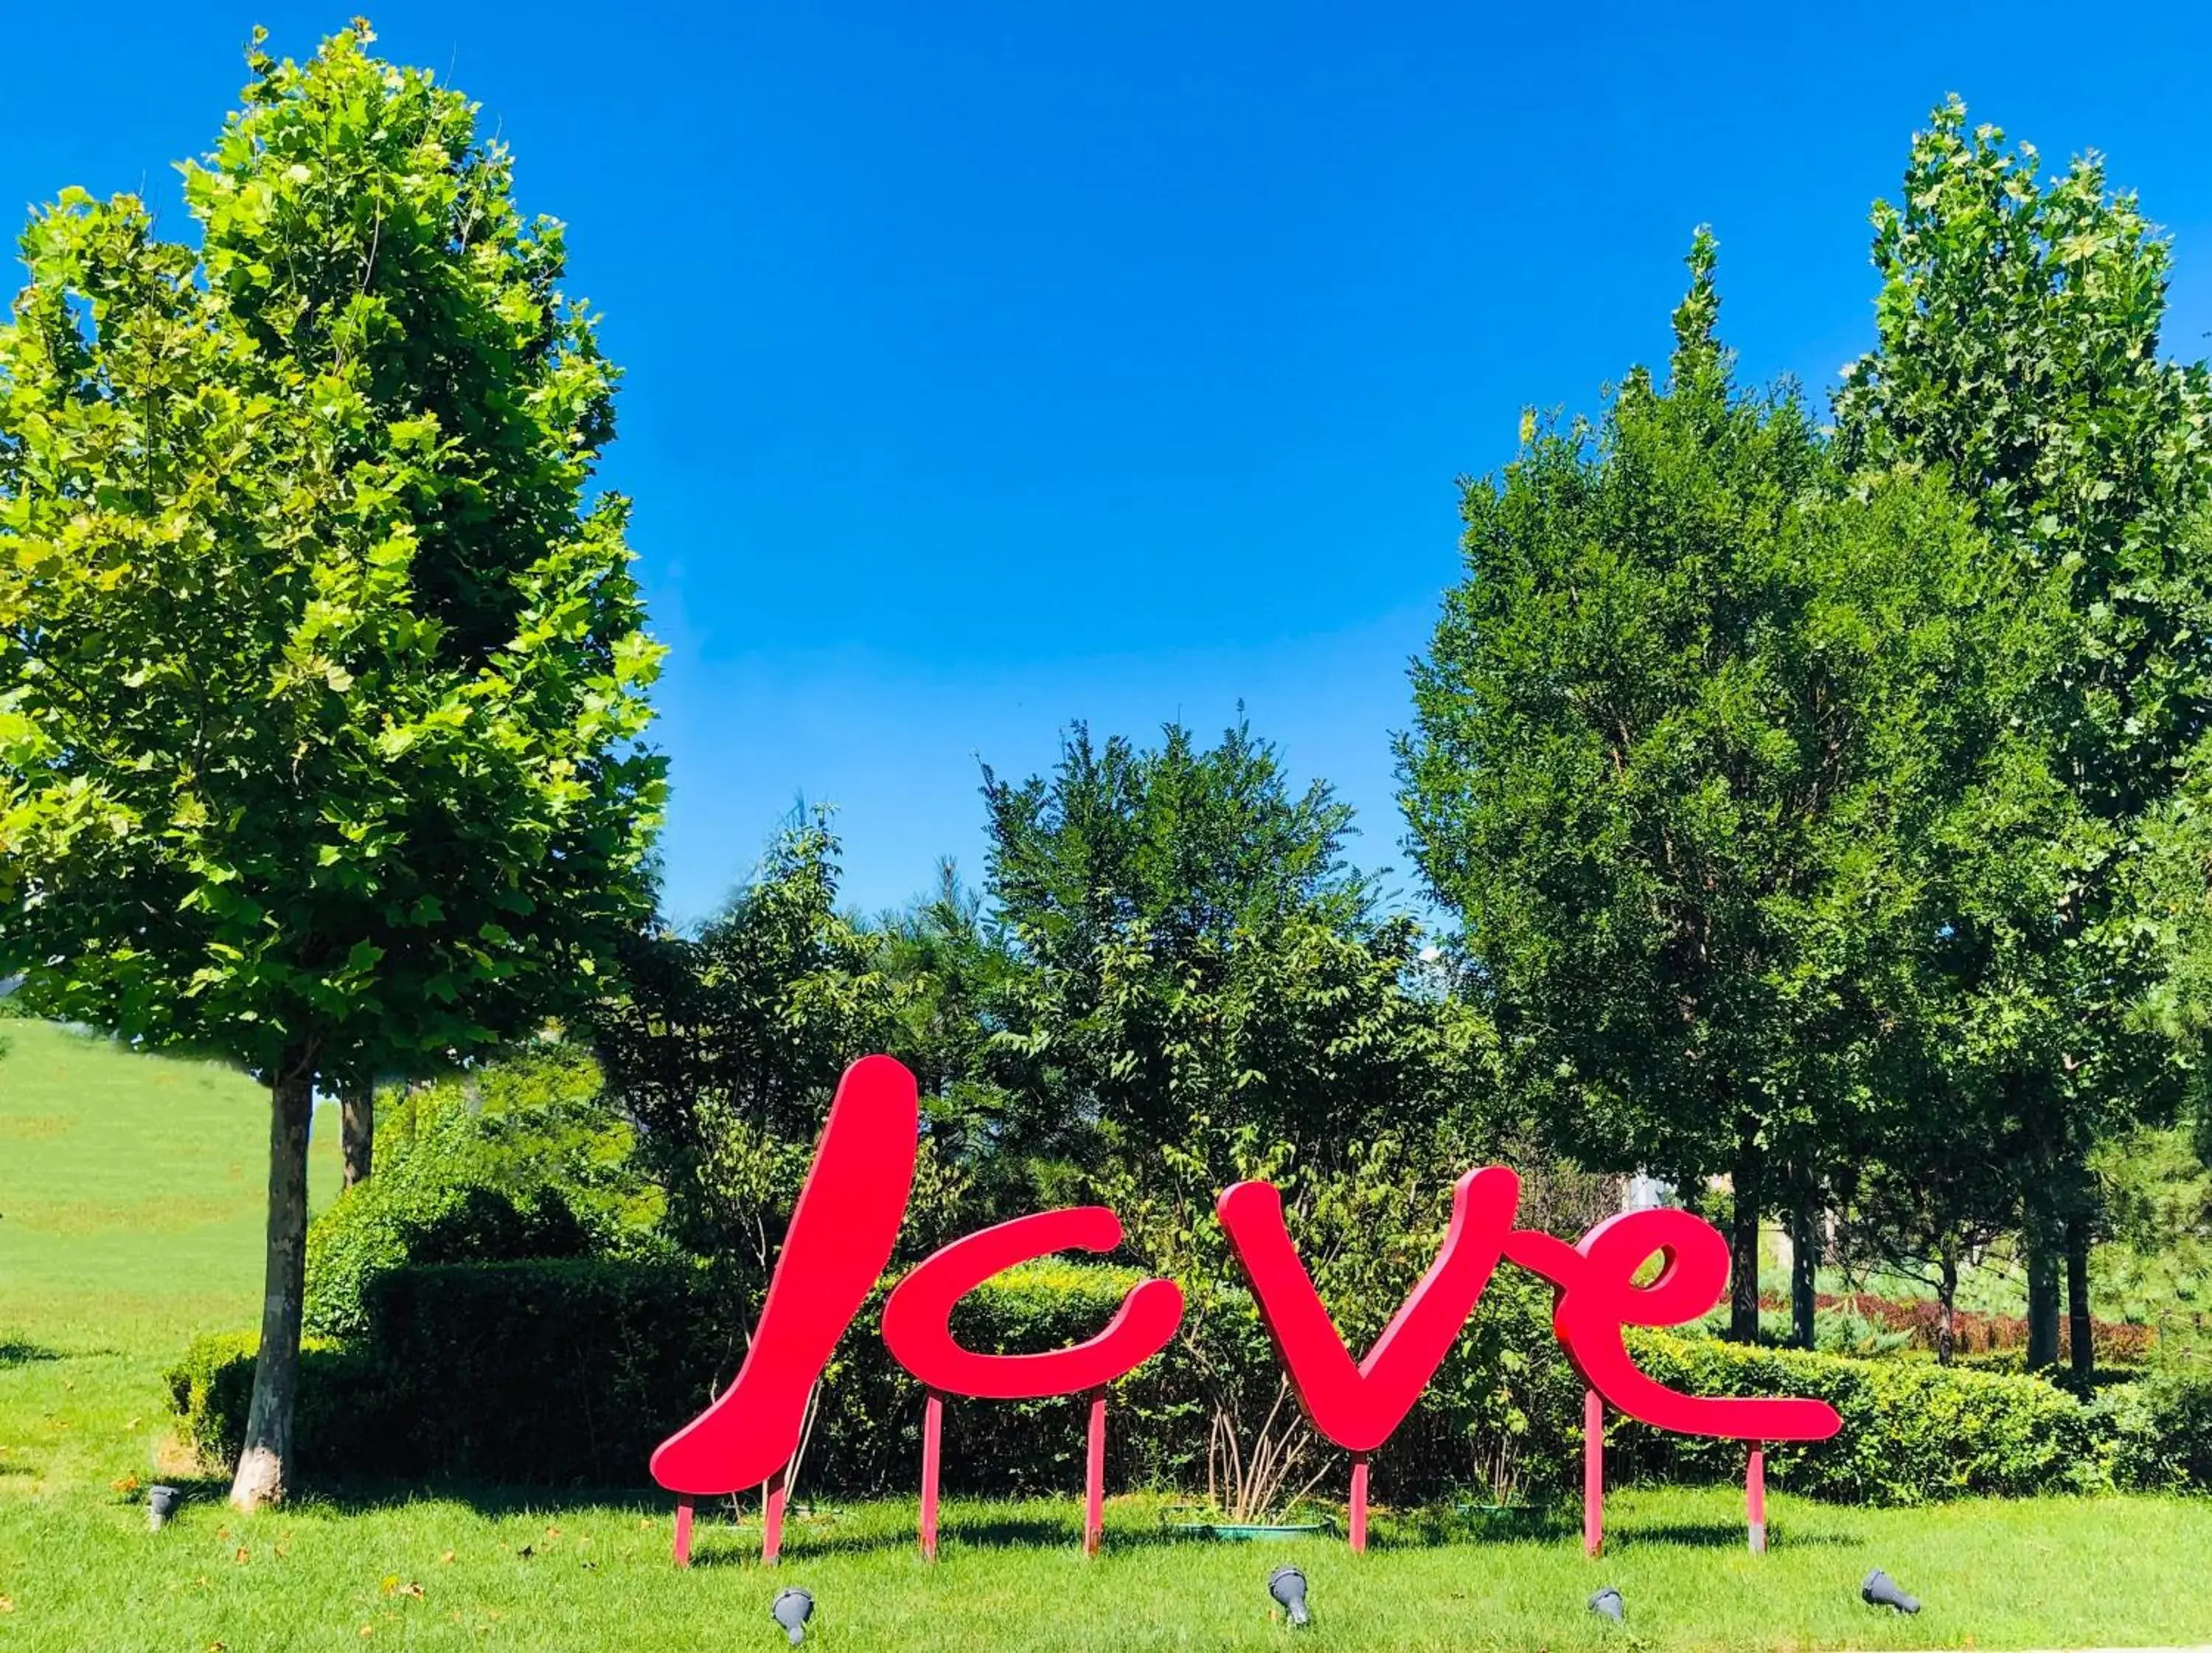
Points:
point(1288, 1586)
point(1880, 1590)
point(792, 1608)
point(161, 1502)
point(1606, 1603)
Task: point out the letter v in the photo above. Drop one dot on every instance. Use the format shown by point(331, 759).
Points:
point(1357, 1407)
point(838, 1245)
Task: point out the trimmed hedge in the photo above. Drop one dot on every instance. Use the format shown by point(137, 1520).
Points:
point(520, 1160)
point(334, 1424)
point(1914, 1432)
point(570, 1371)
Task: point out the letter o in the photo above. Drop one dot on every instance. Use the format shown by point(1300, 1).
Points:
point(917, 1318)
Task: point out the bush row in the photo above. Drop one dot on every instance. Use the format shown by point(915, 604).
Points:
point(1914, 1432)
point(571, 1370)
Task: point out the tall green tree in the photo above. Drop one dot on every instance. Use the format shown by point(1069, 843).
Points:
point(321, 675)
point(1199, 969)
point(353, 221)
point(2018, 355)
point(1663, 749)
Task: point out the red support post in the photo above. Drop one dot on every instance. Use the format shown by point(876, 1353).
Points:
point(683, 1532)
point(1359, 1504)
point(1754, 1495)
point(772, 1516)
point(933, 1436)
point(1094, 1482)
point(1593, 1473)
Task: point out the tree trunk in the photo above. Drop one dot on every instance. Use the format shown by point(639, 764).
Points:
point(2042, 1296)
point(357, 1129)
point(1947, 1307)
point(1743, 1244)
point(265, 1459)
point(1804, 1270)
point(2081, 1329)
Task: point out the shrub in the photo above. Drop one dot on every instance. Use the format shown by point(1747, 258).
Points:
point(571, 1370)
point(868, 1436)
point(341, 1410)
point(2161, 1430)
point(1367, 1228)
point(522, 1159)
point(564, 1370)
point(1914, 1432)
point(1502, 1416)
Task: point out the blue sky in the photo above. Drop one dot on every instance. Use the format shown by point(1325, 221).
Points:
point(991, 366)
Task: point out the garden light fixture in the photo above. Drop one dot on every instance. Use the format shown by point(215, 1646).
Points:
point(792, 1608)
point(1288, 1586)
point(1880, 1590)
point(1606, 1603)
point(161, 1502)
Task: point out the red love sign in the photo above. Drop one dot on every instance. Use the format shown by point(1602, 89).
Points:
point(847, 1221)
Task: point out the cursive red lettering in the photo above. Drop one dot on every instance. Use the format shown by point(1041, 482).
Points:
point(847, 1221)
point(839, 1241)
point(1598, 1297)
point(1359, 1407)
point(917, 1320)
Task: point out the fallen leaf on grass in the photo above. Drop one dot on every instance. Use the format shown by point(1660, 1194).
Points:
point(448, 1556)
point(124, 1484)
point(241, 1558)
point(7, 1604)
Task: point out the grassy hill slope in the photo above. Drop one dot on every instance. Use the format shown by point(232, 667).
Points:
point(132, 1174)
point(132, 1196)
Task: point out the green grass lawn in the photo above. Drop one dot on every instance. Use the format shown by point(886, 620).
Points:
point(130, 1195)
